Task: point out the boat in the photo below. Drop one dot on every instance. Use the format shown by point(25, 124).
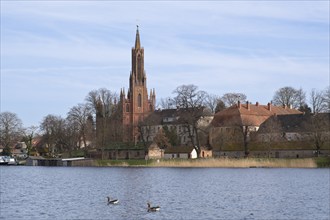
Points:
point(7, 160)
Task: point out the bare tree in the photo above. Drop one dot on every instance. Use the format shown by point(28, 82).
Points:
point(327, 98)
point(271, 132)
point(161, 140)
point(171, 134)
point(53, 128)
point(212, 102)
point(245, 131)
point(104, 104)
point(29, 135)
point(301, 98)
point(71, 138)
point(80, 114)
point(232, 98)
point(234, 131)
point(167, 103)
point(145, 130)
point(240, 132)
point(11, 130)
point(289, 96)
point(191, 102)
point(318, 126)
point(317, 100)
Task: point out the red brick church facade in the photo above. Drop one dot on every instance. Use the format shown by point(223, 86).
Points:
point(137, 104)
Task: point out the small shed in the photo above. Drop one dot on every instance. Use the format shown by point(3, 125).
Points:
point(205, 152)
point(186, 152)
point(77, 161)
point(34, 160)
point(155, 152)
point(41, 161)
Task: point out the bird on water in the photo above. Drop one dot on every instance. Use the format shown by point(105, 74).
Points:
point(114, 201)
point(153, 209)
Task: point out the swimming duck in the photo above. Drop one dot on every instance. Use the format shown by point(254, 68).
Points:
point(115, 201)
point(153, 209)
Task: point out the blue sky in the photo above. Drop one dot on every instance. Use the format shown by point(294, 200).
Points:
point(54, 52)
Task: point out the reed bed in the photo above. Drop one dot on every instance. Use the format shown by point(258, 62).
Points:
point(238, 163)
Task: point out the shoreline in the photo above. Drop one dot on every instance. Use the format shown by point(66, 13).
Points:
point(221, 163)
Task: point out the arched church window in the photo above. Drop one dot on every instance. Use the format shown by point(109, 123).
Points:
point(127, 107)
point(139, 100)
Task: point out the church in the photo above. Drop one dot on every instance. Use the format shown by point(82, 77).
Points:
point(135, 121)
point(137, 104)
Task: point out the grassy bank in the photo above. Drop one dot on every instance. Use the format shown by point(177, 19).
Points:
point(223, 162)
point(322, 162)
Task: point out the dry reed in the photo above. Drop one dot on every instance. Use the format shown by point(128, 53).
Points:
point(238, 163)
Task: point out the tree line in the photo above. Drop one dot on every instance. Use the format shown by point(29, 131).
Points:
point(78, 128)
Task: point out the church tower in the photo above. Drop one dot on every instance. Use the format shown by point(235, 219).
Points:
point(137, 104)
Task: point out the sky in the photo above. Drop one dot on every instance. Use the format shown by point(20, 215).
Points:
point(54, 52)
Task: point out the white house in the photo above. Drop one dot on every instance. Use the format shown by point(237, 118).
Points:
point(180, 152)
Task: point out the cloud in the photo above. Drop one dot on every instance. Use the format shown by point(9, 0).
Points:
point(59, 51)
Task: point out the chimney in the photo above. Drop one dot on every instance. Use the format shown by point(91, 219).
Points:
point(248, 105)
point(290, 106)
point(284, 106)
point(238, 104)
point(269, 106)
point(257, 104)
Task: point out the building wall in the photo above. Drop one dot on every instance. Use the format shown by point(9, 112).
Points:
point(150, 132)
point(155, 152)
point(192, 155)
point(205, 153)
point(272, 153)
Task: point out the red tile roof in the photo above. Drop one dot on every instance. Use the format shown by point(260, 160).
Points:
point(249, 114)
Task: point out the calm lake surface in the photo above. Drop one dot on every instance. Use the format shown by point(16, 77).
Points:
point(182, 193)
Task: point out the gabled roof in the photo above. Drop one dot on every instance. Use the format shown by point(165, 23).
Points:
point(249, 114)
point(297, 122)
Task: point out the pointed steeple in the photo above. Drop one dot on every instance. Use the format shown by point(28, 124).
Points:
point(137, 39)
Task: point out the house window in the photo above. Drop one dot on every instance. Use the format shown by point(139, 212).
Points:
point(139, 100)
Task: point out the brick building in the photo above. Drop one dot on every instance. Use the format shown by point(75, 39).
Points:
point(233, 128)
point(136, 105)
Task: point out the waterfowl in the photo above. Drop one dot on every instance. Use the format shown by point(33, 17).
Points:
point(153, 209)
point(115, 201)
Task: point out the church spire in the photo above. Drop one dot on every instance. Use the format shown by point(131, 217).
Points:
point(137, 39)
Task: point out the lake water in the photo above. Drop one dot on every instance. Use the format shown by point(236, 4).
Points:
point(182, 193)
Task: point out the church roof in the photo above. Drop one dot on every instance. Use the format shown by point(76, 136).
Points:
point(137, 38)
